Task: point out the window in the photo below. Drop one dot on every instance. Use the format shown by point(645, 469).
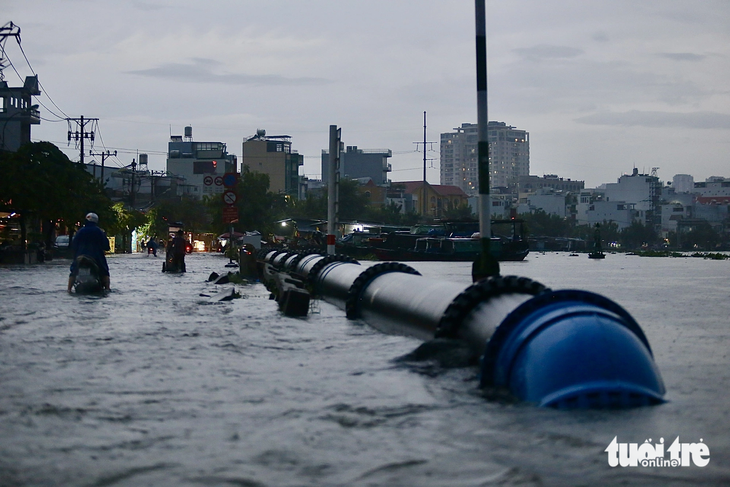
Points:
point(204, 167)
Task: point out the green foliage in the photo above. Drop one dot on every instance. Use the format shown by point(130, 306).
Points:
point(638, 235)
point(354, 205)
point(548, 225)
point(258, 208)
point(125, 220)
point(702, 236)
point(461, 212)
point(41, 180)
point(391, 215)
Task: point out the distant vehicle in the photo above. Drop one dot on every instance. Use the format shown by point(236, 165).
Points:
point(62, 242)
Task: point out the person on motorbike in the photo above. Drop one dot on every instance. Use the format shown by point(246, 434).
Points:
point(152, 247)
point(92, 242)
point(178, 248)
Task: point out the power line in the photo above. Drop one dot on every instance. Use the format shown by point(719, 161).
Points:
point(39, 83)
point(20, 77)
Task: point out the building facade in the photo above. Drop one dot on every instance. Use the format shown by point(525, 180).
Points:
point(509, 156)
point(17, 113)
point(683, 183)
point(534, 184)
point(438, 198)
point(360, 163)
point(273, 156)
point(201, 164)
point(642, 191)
point(593, 208)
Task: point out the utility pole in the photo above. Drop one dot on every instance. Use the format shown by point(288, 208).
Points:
point(7, 30)
point(103, 155)
point(131, 188)
point(423, 193)
point(333, 187)
point(80, 134)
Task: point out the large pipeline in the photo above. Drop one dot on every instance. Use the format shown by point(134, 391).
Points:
point(563, 349)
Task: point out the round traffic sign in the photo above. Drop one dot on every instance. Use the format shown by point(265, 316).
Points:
point(218, 181)
point(208, 180)
point(229, 179)
point(229, 197)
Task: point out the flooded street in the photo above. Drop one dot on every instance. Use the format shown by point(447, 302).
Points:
point(161, 384)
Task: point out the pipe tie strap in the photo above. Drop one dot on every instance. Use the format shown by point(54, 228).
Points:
point(292, 265)
point(479, 292)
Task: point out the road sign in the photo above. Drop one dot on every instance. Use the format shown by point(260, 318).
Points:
point(229, 198)
point(218, 181)
point(208, 180)
point(230, 214)
point(229, 179)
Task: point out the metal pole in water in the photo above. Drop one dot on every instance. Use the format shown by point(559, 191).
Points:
point(486, 264)
point(332, 188)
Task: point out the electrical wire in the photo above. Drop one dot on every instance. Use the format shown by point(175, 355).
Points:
point(20, 77)
point(39, 82)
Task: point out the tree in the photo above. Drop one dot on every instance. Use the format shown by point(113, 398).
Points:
point(257, 207)
point(353, 205)
point(460, 212)
point(548, 225)
point(701, 236)
point(608, 229)
point(125, 221)
point(637, 235)
point(391, 214)
point(40, 181)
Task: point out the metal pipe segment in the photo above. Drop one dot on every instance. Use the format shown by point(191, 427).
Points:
point(564, 349)
point(407, 304)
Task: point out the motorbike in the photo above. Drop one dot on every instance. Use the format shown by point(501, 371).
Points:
point(172, 263)
point(88, 277)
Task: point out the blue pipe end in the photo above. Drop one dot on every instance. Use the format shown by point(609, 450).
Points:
point(572, 349)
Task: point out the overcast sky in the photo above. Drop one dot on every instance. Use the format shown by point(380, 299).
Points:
point(601, 86)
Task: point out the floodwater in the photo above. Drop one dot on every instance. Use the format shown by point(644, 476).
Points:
point(160, 384)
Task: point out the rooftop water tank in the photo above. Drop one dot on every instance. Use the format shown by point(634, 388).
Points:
point(189, 132)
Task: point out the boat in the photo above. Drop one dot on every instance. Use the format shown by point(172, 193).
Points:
point(458, 242)
point(453, 249)
point(597, 251)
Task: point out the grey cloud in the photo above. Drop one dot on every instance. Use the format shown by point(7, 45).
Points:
point(600, 37)
point(695, 120)
point(544, 51)
point(200, 72)
point(682, 56)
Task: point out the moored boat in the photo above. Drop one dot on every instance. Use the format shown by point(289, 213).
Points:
point(458, 242)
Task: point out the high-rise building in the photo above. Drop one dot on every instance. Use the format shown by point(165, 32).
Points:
point(273, 155)
point(509, 156)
